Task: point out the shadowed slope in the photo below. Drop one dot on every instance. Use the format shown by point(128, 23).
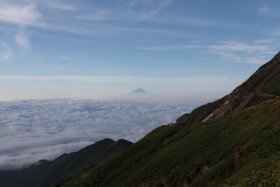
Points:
point(44, 172)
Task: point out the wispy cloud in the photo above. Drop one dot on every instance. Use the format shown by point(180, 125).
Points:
point(97, 15)
point(243, 47)
point(26, 15)
point(61, 6)
point(22, 39)
point(269, 11)
point(67, 58)
point(21, 15)
point(145, 9)
point(256, 52)
point(171, 47)
point(135, 10)
point(264, 9)
point(252, 53)
point(261, 46)
point(6, 52)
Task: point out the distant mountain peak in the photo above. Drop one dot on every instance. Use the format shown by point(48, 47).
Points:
point(139, 91)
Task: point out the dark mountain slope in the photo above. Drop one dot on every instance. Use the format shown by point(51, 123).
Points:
point(261, 86)
point(243, 150)
point(44, 172)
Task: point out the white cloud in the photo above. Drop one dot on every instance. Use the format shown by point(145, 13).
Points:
point(6, 52)
point(34, 130)
point(26, 15)
point(22, 15)
point(22, 39)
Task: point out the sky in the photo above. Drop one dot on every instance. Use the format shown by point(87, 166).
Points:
point(93, 48)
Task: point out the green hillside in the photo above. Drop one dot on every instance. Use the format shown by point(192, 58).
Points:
point(234, 141)
point(44, 172)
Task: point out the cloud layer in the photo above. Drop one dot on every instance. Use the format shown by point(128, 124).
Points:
point(33, 130)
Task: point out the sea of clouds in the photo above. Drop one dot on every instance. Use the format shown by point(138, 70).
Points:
point(44, 129)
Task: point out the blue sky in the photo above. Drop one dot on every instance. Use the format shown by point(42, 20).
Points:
point(92, 48)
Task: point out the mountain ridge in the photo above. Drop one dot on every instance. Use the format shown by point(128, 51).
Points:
point(261, 86)
point(43, 172)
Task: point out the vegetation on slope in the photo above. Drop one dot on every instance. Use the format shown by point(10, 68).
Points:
point(240, 150)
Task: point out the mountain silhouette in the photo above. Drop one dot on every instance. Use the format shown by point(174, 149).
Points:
point(139, 91)
point(43, 173)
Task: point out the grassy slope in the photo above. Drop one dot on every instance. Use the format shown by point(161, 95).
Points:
point(243, 150)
